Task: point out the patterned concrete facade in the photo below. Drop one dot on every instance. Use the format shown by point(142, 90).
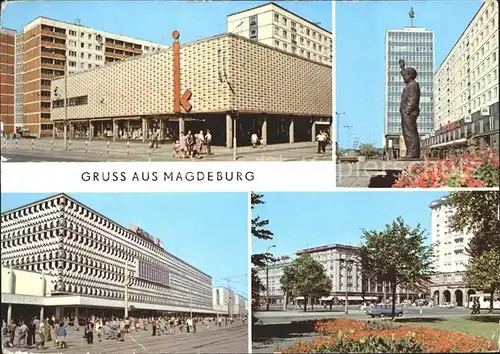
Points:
point(85, 253)
point(225, 73)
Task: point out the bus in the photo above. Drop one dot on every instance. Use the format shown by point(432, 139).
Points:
point(484, 300)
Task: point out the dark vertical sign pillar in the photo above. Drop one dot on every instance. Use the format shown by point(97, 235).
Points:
point(176, 52)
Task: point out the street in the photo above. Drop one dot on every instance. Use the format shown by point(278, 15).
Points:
point(281, 317)
point(46, 150)
point(230, 339)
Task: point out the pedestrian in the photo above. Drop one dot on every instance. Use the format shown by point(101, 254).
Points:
point(23, 335)
point(208, 142)
point(75, 324)
point(61, 336)
point(254, 139)
point(89, 328)
point(41, 336)
point(153, 324)
point(220, 322)
point(320, 138)
point(194, 325)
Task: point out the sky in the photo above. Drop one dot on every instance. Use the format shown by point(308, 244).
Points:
point(360, 29)
point(153, 20)
point(207, 230)
point(306, 220)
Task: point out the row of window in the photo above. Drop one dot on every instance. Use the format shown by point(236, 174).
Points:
point(74, 101)
point(302, 41)
point(302, 52)
point(89, 46)
point(293, 26)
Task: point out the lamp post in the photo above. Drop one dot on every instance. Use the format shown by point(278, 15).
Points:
point(348, 127)
point(267, 277)
point(338, 114)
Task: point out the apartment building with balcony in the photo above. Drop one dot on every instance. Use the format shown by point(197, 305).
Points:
point(52, 48)
point(275, 26)
point(466, 91)
point(7, 66)
point(450, 256)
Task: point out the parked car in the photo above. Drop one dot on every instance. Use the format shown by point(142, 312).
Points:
point(384, 312)
point(446, 305)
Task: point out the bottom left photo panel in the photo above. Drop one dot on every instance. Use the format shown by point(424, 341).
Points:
point(120, 272)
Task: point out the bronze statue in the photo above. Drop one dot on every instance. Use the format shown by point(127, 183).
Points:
point(410, 110)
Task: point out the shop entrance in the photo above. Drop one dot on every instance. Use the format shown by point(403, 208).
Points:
point(278, 130)
point(302, 129)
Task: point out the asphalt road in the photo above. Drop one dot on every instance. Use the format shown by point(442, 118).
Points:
point(230, 339)
point(282, 317)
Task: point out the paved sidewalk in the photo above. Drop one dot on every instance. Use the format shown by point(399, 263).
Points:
point(99, 150)
point(231, 339)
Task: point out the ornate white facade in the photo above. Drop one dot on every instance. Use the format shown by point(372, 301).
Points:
point(87, 252)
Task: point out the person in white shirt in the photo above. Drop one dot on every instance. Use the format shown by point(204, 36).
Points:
point(255, 140)
point(208, 142)
point(320, 138)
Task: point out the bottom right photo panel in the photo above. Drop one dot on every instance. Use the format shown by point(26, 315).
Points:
point(393, 272)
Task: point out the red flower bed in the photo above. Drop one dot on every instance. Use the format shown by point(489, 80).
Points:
point(471, 171)
point(347, 335)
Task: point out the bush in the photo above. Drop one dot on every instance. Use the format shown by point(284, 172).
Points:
point(347, 335)
point(477, 170)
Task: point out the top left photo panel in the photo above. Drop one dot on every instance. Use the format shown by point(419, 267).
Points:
point(166, 81)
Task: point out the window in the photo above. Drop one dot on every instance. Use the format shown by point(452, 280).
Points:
point(90, 46)
point(276, 30)
point(82, 55)
point(285, 34)
point(277, 43)
point(72, 33)
point(72, 43)
point(82, 45)
point(285, 21)
point(82, 65)
point(72, 53)
point(98, 47)
point(90, 36)
point(45, 93)
point(276, 17)
point(98, 57)
point(82, 34)
point(494, 57)
point(89, 56)
point(58, 103)
point(308, 31)
point(72, 63)
point(285, 46)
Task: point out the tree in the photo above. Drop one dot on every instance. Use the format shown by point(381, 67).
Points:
point(477, 213)
point(396, 255)
point(259, 231)
point(305, 277)
point(483, 272)
point(367, 150)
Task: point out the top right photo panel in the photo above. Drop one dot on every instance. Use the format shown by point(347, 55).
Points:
point(417, 94)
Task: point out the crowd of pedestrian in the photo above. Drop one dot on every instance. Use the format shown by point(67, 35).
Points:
point(36, 333)
point(192, 145)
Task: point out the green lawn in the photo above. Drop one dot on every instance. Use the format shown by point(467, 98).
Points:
point(480, 326)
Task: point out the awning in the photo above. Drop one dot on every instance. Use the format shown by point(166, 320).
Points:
point(327, 298)
point(357, 298)
point(342, 298)
point(298, 298)
point(448, 143)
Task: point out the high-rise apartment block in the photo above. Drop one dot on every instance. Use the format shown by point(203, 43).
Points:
point(53, 47)
point(416, 46)
point(466, 85)
point(275, 26)
point(450, 256)
point(7, 65)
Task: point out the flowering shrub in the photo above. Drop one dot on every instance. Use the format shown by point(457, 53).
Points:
point(347, 335)
point(468, 170)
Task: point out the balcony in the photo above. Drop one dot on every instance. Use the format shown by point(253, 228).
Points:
point(117, 56)
point(53, 44)
point(124, 48)
point(53, 55)
point(53, 34)
point(48, 76)
point(52, 66)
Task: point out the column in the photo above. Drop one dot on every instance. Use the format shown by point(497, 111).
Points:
point(9, 314)
point(162, 124)
point(144, 129)
point(91, 130)
point(264, 131)
point(313, 132)
point(42, 312)
point(453, 297)
point(181, 127)
point(229, 130)
point(292, 131)
point(115, 129)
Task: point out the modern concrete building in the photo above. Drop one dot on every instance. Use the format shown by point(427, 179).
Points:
point(85, 257)
point(19, 83)
point(275, 26)
point(227, 302)
point(466, 86)
point(416, 46)
point(52, 48)
point(238, 86)
point(450, 256)
point(274, 272)
point(7, 78)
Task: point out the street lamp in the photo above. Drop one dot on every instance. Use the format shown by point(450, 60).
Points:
point(267, 277)
point(338, 114)
point(348, 127)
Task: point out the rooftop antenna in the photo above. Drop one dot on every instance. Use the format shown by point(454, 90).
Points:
point(78, 22)
point(412, 16)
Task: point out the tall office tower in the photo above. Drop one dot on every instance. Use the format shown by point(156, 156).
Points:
point(7, 65)
point(275, 26)
point(416, 46)
point(48, 44)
